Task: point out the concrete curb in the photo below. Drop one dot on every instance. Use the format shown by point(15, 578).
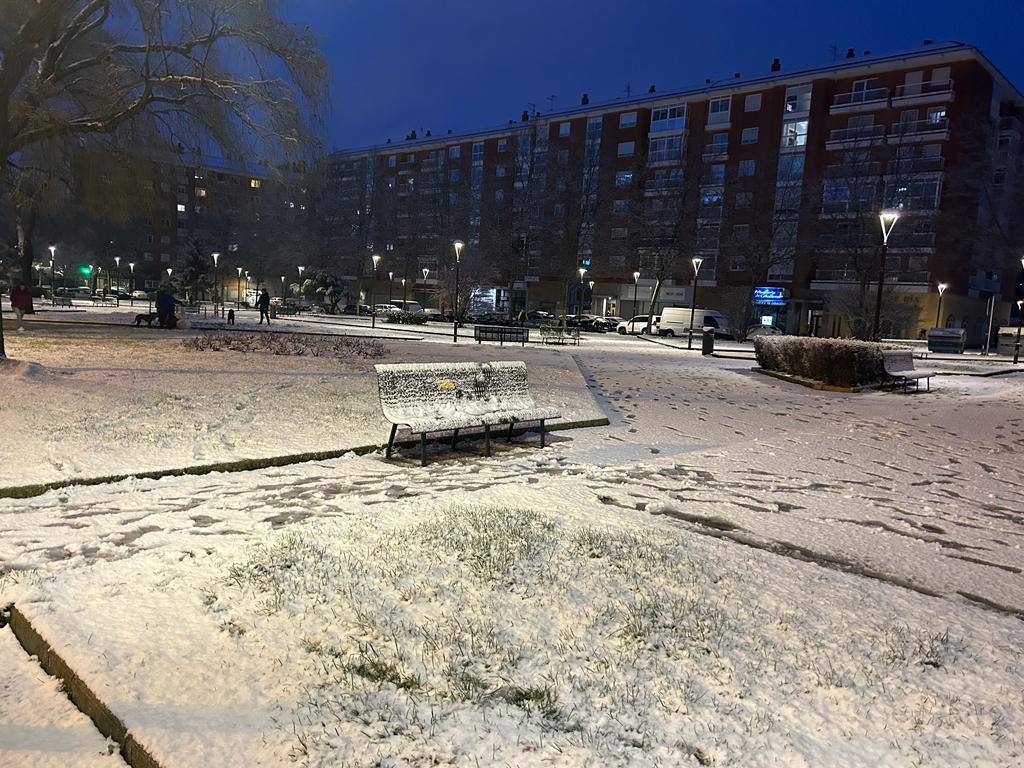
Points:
point(809, 383)
point(80, 694)
point(245, 465)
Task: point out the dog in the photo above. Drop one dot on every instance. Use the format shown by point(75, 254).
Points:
point(145, 317)
point(231, 317)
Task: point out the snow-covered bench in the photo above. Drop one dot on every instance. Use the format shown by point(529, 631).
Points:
point(442, 397)
point(899, 367)
point(559, 335)
point(501, 333)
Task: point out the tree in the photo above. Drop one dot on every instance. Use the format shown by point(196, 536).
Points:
point(223, 72)
point(899, 314)
point(196, 276)
point(325, 288)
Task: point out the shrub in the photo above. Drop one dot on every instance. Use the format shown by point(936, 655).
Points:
point(837, 362)
point(407, 318)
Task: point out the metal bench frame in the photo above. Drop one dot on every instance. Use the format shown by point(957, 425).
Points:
point(461, 396)
point(501, 334)
point(899, 367)
point(559, 334)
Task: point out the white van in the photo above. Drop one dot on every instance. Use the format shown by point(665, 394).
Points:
point(675, 321)
point(412, 307)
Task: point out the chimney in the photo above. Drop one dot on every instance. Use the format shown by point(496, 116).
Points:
point(651, 89)
point(585, 99)
point(388, 141)
point(525, 117)
point(850, 53)
point(449, 131)
point(927, 41)
point(428, 133)
point(707, 81)
point(776, 65)
point(867, 53)
point(412, 135)
point(736, 75)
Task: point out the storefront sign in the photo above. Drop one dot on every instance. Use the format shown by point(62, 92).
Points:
point(770, 296)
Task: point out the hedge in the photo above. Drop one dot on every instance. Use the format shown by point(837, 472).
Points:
point(407, 318)
point(836, 362)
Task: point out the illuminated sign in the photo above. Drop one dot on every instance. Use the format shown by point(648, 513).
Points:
point(770, 296)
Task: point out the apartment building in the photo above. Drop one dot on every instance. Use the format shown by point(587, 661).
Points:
point(773, 182)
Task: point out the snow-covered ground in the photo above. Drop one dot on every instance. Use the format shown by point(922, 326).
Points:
point(736, 572)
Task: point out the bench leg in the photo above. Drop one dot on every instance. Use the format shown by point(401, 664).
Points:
point(487, 439)
point(423, 449)
point(391, 441)
point(510, 425)
point(455, 436)
point(542, 433)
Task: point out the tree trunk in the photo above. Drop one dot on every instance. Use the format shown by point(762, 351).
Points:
point(654, 300)
point(26, 224)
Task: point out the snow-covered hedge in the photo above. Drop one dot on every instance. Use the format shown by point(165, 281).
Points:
point(407, 318)
point(837, 362)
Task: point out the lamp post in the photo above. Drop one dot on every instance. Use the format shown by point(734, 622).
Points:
point(282, 287)
point(53, 290)
point(458, 245)
point(1020, 320)
point(696, 262)
point(938, 312)
point(636, 285)
point(403, 293)
point(216, 281)
point(888, 220)
point(391, 287)
point(238, 300)
point(579, 303)
point(117, 281)
point(131, 283)
point(95, 278)
point(426, 271)
point(373, 291)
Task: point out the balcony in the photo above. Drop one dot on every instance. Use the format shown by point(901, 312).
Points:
point(1010, 125)
point(853, 170)
point(919, 130)
point(831, 279)
point(912, 241)
point(932, 92)
point(859, 101)
point(908, 165)
point(716, 151)
point(852, 241)
point(665, 156)
point(859, 136)
point(662, 186)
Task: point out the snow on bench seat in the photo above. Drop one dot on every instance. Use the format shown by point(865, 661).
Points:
point(438, 397)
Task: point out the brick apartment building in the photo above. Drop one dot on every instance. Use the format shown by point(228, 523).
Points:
point(774, 181)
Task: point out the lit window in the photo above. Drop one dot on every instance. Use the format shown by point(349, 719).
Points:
point(794, 133)
point(752, 103)
point(798, 98)
point(627, 120)
point(749, 136)
point(392, 161)
point(478, 152)
point(181, 207)
point(563, 129)
point(626, 148)
point(454, 152)
point(200, 192)
point(255, 183)
point(623, 178)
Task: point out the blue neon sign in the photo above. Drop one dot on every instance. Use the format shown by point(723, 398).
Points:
point(770, 296)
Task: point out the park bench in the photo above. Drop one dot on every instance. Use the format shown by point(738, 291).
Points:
point(899, 368)
point(556, 334)
point(443, 397)
point(501, 333)
point(63, 301)
point(104, 301)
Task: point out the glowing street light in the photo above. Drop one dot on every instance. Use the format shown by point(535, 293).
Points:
point(887, 219)
point(1020, 321)
point(458, 245)
point(216, 275)
point(239, 293)
point(696, 261)
point(53, 291)
point(938, 312)
point(117, 281)
point(131, 283)
point(391, 286)
point(373, 291)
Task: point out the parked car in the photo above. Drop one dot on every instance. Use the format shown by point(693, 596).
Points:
point(432, 313)
point(539, 316)
point(412, 307)
point(139, 295)
point(592, 323)
point(675, 321)
point(762, 330)
point(635, 325)
point(386, 309)
point(353, 309)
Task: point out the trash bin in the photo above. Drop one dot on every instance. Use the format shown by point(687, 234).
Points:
point(947, 340)
point(707, 344)
point(273, 311)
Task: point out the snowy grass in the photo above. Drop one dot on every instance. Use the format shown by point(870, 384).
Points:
point(491, 635)
point(342, 347)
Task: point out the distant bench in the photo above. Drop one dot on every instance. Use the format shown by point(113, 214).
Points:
point(899, 368)
point(556, 334)
point(442, 397)
point(63, 301)
point(501, 333)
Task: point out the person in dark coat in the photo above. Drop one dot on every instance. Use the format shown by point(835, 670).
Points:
point(165, 302)
point(263, 305)
point(21, 300)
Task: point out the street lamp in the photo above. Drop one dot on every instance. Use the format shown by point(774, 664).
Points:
point(1020, 320)
point(53, 291)
point(888, 220)
point(403, 293)
point(938, 312)
point(301, 270)
point(391, 287)
point(216, 276)
point(131, 283)
point(636, 284)
point(458, 245)
point(117, 281)
point(696, 262)
point(238, 301)
point(373, 291)
point(579, 303)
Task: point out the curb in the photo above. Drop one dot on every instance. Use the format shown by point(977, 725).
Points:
point(80, 694)
point(809, 383)
point(245, 465)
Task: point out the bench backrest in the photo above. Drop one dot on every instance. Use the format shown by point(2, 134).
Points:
point(898, 360)
point(418, 390)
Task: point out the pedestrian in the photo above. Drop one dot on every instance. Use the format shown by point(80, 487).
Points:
point(263, 304)
point(521, 317)
point(165, 303)
point(231, 317)
point(21, 301)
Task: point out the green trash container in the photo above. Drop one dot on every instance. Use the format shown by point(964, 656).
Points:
point(707, 342)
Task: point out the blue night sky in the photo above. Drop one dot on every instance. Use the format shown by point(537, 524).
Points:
point(462, 64)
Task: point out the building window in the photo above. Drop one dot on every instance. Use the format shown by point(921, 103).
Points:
point(623, 178)
point(749, 136)
point(499, 171)
point(149, 239)
point(559, 210)
point(740, 232)
point(165, 239)
point(666, 149)
point(668, 118)
point(798, 98)
point(563, 129)
point(453, 174)
point(502, 145)
point(999, 177)
point(454, 152)
point(627, 120)
point(181, 207)
point(620, 207)
point(752, 103)
point(716, 173)
point(453, 198)
point(718, 111)
point(626, 148)
point(499, 195)
point(619, 233)
point(200, 192)
point(563, 156)
point(392, 161)
point(794, 133)
point(791, 168)
point(747, 167)
point(744, 199)
point(936, 115)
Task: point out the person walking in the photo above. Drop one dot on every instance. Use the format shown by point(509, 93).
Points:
point(21, 301)
point(165, 303)
point(263, 304)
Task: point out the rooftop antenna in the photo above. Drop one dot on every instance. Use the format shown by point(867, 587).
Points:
point(551, 103)
point(628, 90)
point(835, 51)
